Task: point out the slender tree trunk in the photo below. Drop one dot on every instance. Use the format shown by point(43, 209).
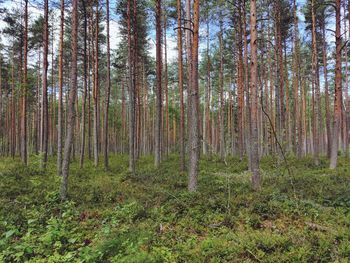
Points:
point(159, 84)
point(189, 39)
point(296, 139)
point(131, 97)
point(71, 102)
point(194, 145)
point(96, 89)
point(254, 98)
point(316, 95)
point(246, 83)
point(52, 121)
point(326, 91)
point(287, 105)
point(279, 93)
point(83, 112)
point(167, 127)
point(338, 90)
point(24, 89)
point(346, 92)
point(13, 106)
point(206, 115)
point(181, 79)
point(60, 95)
point(2, 129)
point(240, 85)
point(89, 86)
point(108, 90)
point(221, 84)
point(136, 97)
point(44, 103)
point(123, 132)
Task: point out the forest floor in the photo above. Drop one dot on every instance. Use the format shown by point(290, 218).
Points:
point(150, 217)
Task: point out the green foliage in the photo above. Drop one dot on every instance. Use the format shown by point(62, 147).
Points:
point(115, 216)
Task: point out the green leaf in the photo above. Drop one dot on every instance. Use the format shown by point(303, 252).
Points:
point(72, 240)
point(10, 233)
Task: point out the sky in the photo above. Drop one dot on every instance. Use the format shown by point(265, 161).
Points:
point(115, 38)
point(34, 12)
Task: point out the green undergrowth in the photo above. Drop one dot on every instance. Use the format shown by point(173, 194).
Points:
point(114, 216)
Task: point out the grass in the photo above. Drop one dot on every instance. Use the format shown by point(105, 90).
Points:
point(113, 216)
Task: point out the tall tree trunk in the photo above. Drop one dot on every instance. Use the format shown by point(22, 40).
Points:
point(24, 89)
point(296, 139)
point(287, 105)
point(136, 82)
point(338, 90)
point(246, 82)
point(131, 96)
point(108, 90)
point(52, 121)
point(326, 91)
point(316, 93)
point(13, 108)
point(71, 102)
point(194, 145)
point(96, 88)
point(188, 44)
point(44, 103)
point(83, 112)
point(2, 129)
point(90, 63)
point(158, 126)
point(254, 98)
point(60, 94)
point(346, 92)
point(181, 79)
point(206, 115)
point(123, 131)
point(167, 127)
point(279, 94)
point(221, 84)
point(240, 84)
